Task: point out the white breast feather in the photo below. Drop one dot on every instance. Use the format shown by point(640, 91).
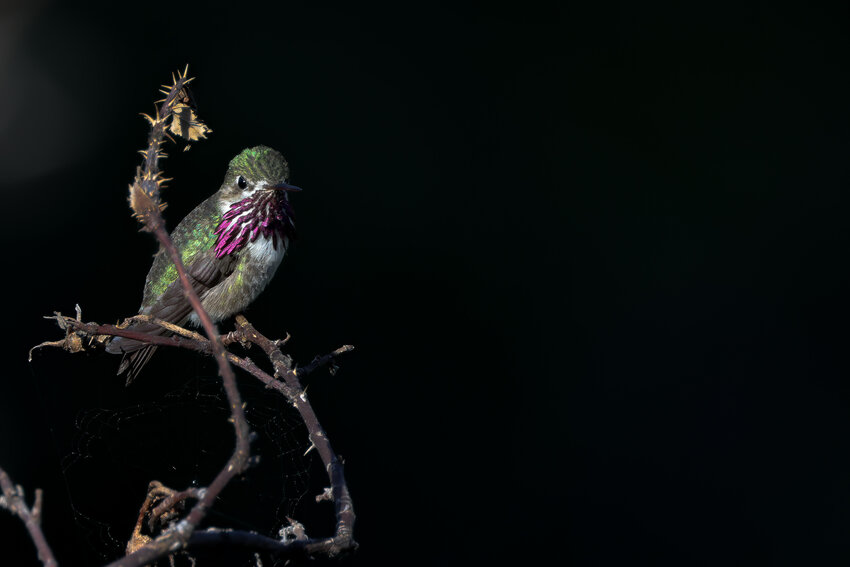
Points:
point(263, 252)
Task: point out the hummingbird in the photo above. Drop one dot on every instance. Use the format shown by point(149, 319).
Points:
point(231, 245)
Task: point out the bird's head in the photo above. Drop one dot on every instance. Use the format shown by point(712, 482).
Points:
point(253, 201)
point(256, 169)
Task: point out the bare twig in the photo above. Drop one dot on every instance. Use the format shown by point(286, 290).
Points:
point(166, 507)
point(13, 500)
point(323, 360)
point(73, 343)
point(343, 538)
point(147, 205)
point(176, 329)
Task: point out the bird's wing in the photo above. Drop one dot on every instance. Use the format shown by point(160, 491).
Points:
point(163, 294)
point(173, 306)
point(205, 272)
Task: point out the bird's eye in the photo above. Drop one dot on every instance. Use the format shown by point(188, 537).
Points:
point(242, 182)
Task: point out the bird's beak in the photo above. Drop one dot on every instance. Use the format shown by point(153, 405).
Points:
point(284, 187)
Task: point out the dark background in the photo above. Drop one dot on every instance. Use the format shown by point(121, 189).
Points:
point(593, 259)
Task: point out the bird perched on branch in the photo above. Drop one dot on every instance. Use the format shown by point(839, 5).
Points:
point(231, 245)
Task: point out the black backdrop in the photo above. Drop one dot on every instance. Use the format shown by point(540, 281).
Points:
point(593, 260)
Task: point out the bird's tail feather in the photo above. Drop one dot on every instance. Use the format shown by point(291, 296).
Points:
point(133, 362)
point(136, 353)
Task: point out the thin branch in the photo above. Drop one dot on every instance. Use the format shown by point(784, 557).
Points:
point(147, 205)
point(95, 330)
point(13, 500)
point(343, 539)
point(176, 329)
point(169, 502)
point(253, 541)
point(320, 361)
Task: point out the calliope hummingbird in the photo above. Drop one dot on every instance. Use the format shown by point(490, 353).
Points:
point(231, 245)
